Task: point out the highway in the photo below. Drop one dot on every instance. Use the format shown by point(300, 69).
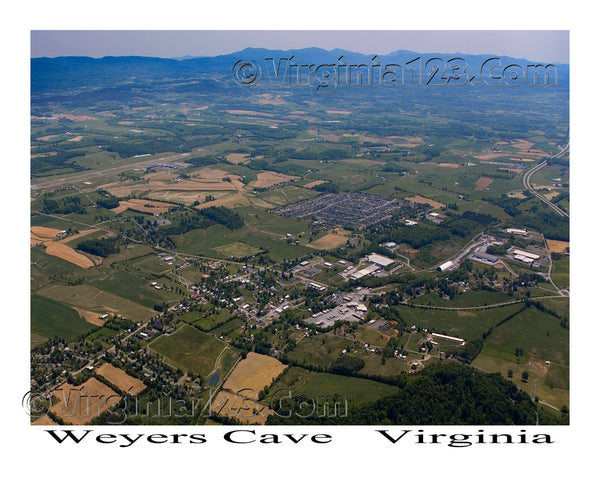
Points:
point(537, 168)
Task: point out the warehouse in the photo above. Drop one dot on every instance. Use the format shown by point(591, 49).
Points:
point(445, 266)
point(485, 258)
point(364, 272)
point(525, 257)
point(379, 260)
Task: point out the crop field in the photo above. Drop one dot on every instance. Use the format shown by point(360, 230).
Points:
point(254, 372)
point(242, 407)
point(81, 408)
point(318, 384)
point(132, 286)
point(329, 241)
point(50, 319)
point(143, 205)
point(320, 351)
point(237, 249)
point(92, 298)
point(189, 349)
point(119, 378)
point(541, 339)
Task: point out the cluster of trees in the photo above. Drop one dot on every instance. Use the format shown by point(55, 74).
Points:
point(101, 247)
point(442, 394)
point(223, 215)
point(64, 205)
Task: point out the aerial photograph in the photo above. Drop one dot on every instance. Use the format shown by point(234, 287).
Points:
point(266, 235)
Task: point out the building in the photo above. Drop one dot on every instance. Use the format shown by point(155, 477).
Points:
point(364, 272)
point(517, 231)
point(445, 266)
point(485, 258)
point(379, 260)
point(525, 257)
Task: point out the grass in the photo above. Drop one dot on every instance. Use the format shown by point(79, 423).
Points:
point(320, 350)
point(354, 389)
point(468, 324)
point(50, 318)
point(542, 339)
point(91, 298)
point(189, 349)
point(134, 287)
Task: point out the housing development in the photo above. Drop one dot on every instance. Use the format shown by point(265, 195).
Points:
point(205, 253)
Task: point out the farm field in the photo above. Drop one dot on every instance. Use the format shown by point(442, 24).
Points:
point(189, 349)
point(50, 319)
point(119, 378)
point(541, 339)
point(75, 410)
point(253, 373)
point(91, 298)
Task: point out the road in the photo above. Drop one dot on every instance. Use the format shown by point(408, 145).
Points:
point(537, 168)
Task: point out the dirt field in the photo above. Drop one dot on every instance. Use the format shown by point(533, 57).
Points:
point(517, 195)
point(237, 158)
point(331, 240)
point(75, 139)
point(315, 183)
point(267, 98)
point(119, 378)
point(267, 179)
point(90, 317)
point(42, 234)
point(243, 409)
point(339, 112)
point(203, 180)
point(254, 372)
point(60, 250)
point(46, 138)
point(45, 420)
point(557, 246)
point(428, 201)
point(449, 165)
point(331, 137)
point(143, 205)
point(85, 402)
point(483, 183)
point(248, 112)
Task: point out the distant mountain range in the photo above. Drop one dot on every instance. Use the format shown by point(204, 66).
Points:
point(70, 72)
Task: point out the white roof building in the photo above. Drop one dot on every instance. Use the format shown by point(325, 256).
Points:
point(379, 260)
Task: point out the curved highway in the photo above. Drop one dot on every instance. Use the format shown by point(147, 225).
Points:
point(537, 168)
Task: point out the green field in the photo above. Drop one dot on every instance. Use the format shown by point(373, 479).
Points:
point(299, 381)
point(91, 298)
point(468, 324)
point(189, 349)
point(237, 250)
point(320, 350)
point(541, 339)
point(134, 287)
point(50, 319)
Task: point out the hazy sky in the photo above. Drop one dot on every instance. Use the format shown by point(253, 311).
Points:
point(535, 45)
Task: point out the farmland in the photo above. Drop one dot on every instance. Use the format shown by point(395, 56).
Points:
point(190, 350)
